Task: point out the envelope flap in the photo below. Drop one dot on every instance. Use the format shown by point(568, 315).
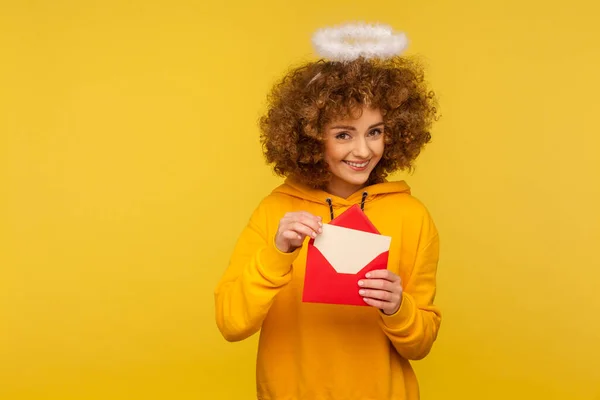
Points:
point(355, 218)
point(350, 250)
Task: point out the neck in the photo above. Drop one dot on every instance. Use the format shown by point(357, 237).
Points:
point(342, 189)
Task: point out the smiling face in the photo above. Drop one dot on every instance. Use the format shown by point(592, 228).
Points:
point(353, 147)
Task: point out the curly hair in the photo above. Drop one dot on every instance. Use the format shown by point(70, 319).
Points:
point(317, 93)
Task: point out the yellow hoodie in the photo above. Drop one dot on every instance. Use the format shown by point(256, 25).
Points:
point(332, 352)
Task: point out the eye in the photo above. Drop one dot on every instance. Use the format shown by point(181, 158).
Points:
point(376, 132)
point(342, 136)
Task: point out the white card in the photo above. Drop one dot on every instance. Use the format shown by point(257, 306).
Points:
point(350, 250)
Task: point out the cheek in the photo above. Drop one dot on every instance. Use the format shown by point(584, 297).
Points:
point(334, 153)
point(378, 148)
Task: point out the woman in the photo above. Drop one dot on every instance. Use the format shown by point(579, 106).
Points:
point(335, 130)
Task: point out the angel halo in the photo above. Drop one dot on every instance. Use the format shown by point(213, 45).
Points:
point(350, 41)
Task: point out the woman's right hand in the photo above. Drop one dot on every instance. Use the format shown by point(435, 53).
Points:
point(294, 227)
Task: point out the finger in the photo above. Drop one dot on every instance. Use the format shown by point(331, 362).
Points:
point(309, 215)
point(383, 295)
point(302, 229)
point(382, 305)
point(311, 221)
point(305, 218)
point(379, 284)
point(384, 274)
point(291, 235)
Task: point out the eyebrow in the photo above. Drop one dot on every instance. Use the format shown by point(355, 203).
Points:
point(351, 128)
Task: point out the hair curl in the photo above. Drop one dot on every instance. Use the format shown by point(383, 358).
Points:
point(317, 93)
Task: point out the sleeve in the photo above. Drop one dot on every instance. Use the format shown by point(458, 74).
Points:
point(257, 271)
point(414, 327)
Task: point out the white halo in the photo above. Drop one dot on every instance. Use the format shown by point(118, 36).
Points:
point(366, 40)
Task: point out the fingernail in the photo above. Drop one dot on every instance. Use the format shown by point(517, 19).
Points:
point(361, 292)
point(320, 230)
point(368, 275)
point(320, 223)
point(360, 283)
point(314, 235)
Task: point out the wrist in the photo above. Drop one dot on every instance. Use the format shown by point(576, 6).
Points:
point(287, 249)
point(396, 309)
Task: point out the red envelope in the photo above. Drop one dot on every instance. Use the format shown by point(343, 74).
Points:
point(349, 247)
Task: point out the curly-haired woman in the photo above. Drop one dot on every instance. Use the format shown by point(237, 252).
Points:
point(335, 131)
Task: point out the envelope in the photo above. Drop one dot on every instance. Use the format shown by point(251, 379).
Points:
point(349, 247)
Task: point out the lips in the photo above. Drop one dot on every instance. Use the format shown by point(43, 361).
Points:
point(357, 166)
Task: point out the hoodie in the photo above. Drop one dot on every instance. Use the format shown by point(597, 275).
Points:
point(323, 351)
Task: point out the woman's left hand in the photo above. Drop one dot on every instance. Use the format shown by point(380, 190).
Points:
point(382, 289)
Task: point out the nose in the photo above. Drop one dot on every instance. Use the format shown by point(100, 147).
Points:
point(361, 148)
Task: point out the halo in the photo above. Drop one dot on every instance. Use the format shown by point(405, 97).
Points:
point(348, 42)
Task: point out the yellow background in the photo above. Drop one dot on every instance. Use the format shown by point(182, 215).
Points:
point(129, 162)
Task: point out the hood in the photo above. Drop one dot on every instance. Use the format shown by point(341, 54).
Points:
point(369, 193)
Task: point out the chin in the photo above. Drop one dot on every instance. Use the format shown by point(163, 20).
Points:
point(358, 181)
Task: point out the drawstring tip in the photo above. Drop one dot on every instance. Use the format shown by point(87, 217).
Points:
point(362, 202)
point(330, 208)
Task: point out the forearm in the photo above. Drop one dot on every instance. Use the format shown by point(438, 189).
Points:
point(242, 301)
point(412, 329)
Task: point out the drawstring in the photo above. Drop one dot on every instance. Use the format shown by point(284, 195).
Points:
point(330, 208)
point(362, 204)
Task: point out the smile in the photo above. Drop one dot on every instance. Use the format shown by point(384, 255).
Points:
point(357, 166)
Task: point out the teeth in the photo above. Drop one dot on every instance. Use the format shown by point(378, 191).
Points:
point(357, 165)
